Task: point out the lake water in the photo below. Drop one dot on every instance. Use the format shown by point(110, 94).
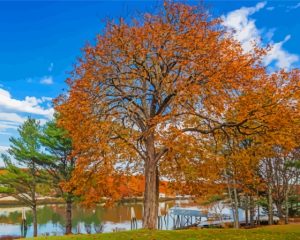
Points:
point(51, 218)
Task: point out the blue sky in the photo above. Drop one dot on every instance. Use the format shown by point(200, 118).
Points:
point(40, 41)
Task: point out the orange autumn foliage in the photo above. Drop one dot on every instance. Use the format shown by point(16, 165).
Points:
point(123, 187)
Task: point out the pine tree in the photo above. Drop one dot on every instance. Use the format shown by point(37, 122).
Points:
point(23, 174)
point(59, 163)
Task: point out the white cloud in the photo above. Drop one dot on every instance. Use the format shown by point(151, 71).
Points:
point(294, 7)
point(269, 34)
point(11, 117)
point(46, 99)
point(47, 80)
point(281, 57)
point(50, 68)
point(14, 112)
point(3, 149)
point(28, 105)
point(9, 121)
point(270, 8)
point(245, 31)
point(5, 133)
point(6, 125)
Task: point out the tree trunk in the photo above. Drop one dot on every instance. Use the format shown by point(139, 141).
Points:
point(69, 215)
point(34, 213)
point(151, 196)
point(236, 212)
point(258, 215)
point(286, 218)
point(232, 203)
point(233, 206)
point(279, 209)
point(251, 212)
point(270, 205)
point(151, 185)
point(246, 211)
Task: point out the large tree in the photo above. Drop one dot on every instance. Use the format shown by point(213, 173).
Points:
point(152, 93)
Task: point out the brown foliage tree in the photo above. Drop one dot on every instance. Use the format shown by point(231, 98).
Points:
point(151, 95)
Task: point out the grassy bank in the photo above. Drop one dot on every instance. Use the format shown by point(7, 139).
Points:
point(279, 232)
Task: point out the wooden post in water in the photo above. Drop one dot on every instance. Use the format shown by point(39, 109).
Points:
point(24, 223)
point(133, 221)
point(159, 216)
point(166, 217)
point(78, 228)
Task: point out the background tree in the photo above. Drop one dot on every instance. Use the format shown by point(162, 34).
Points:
point(282, 175)
point(59, 163)
point(22, 177)
point(173, 78)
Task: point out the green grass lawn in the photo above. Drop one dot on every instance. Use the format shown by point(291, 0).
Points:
point(279, 232)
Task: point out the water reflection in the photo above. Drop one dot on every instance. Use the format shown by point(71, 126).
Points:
point(52, 221)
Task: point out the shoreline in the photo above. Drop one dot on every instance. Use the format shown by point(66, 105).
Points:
point(10, 201)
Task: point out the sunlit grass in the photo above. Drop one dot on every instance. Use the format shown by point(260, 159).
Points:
point(279, 232)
